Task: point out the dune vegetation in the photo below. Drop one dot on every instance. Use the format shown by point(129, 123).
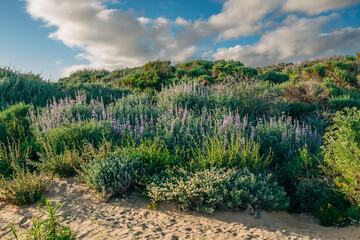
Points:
point(204, 135)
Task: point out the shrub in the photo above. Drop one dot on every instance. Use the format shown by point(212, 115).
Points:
point(13, 157)
point(334, 211)
point(29, 88)
point(309, 192)
point(238, 152)
point(24, 187)
point(202, 191)
point(74, 135)
point(15, 118)
point(209, 189)
point(308, 92)
point(342, 152)
point(275, 77)
point(113, 175)
point(5, 162)
point(64, 164)
point(343, 78)
point(316, 71)
point(259, 191)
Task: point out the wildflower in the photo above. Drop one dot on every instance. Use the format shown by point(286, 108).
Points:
point(340, 219)
point(329, 205)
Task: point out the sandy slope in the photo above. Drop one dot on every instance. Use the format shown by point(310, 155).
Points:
point(130, 219)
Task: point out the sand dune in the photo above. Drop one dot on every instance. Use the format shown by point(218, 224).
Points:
point(129, 218)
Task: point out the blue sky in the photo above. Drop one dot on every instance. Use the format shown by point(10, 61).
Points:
point(56, 37)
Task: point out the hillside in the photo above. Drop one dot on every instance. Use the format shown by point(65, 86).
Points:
point(206, 136)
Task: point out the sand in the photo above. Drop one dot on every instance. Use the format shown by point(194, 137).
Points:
point(129, 218)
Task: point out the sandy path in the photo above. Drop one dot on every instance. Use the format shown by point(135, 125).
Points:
point(130, 219)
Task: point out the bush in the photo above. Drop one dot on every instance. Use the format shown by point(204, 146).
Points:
point(202, 191)
point(342, 152)
point(29, 88)
point(74, 135)
point(113, 175)
point(308, 92)
point(238, 152)
point(275, 77)
point(15, 118)
point(259, 191)
point(13, 157)
point(210, 189)
point(64, 164)
point(24, 187)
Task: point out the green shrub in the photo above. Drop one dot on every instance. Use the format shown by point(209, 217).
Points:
point(74, 135)
point(275, 77)
point(309, 192)
point(113, 175)
point(342, 152)
point(357, 57)
point(5, 163)
point(13, 157)
point(260, 191)
point(316, 71)
point(24, 187)
point(343, 78)
point(238, 152)
point(349, 58)
point(210, 189)
point(15, 118)
point(202, 191)
point(64, 164)
point(332, 211)
point(29, 88)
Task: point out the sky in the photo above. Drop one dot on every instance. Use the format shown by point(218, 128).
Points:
point(57, 37)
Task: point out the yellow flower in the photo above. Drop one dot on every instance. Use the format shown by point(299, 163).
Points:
point(340, 219)
point(339, 185)
point(329, 205)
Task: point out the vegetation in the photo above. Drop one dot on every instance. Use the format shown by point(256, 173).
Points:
point(280, 137)
point(48, 227)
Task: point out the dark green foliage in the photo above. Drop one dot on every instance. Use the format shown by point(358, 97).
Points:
point(84, 76)
point(316, 71)
point(113, 175)
point(15, 119)
point(18, 87)
point(275, 77)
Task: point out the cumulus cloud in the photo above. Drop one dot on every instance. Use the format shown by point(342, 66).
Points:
point(114, 38)
point(298, 39)
point(316, 6)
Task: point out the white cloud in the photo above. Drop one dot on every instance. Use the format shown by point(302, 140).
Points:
point(316, 6)
point(299, 39)
point(113, 38)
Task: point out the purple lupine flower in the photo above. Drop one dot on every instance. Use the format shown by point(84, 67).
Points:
point(284, 135)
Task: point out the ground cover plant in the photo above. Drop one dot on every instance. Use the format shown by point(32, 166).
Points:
point(280, 137)
point(45, 227)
